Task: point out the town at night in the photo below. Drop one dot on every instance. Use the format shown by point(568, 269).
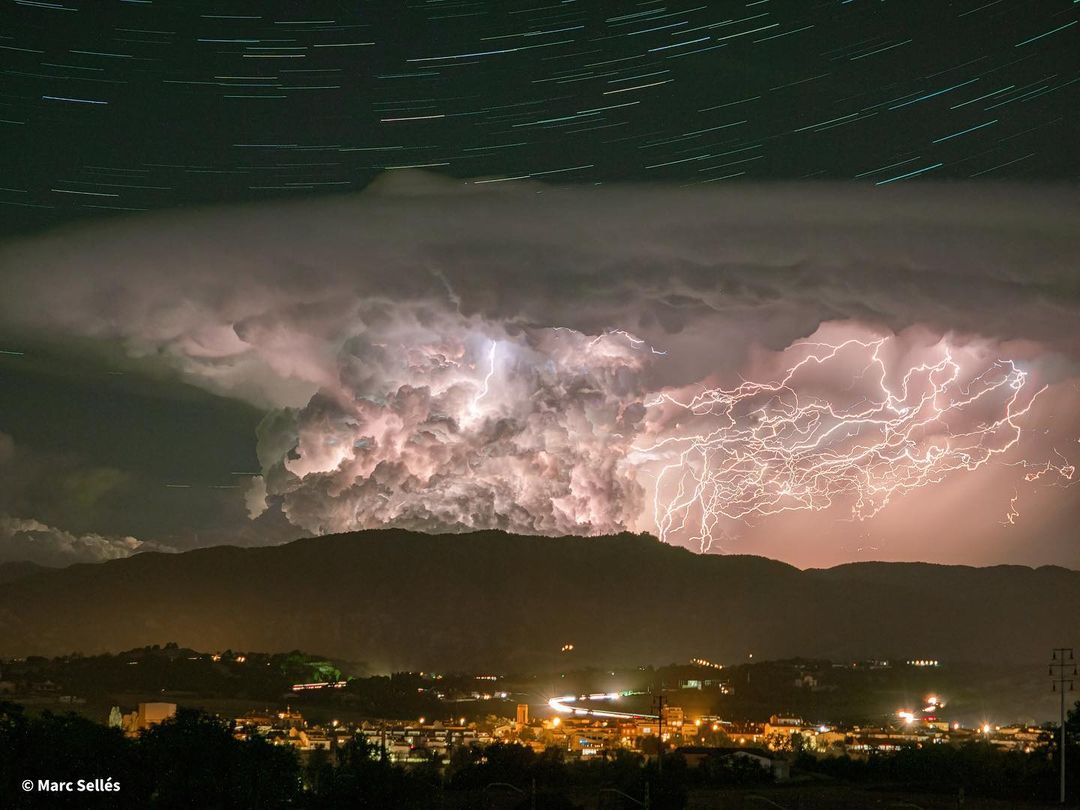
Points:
point(539, 404)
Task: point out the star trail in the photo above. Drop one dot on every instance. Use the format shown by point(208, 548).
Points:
point(131, 106)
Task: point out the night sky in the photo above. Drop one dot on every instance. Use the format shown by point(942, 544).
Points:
point(373, 235)
point(127, 106)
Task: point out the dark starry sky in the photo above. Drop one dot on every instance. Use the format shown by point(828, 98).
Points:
point(137, 105)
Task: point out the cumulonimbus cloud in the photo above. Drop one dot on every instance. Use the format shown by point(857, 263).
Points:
point(440, 356)
point(441, 421)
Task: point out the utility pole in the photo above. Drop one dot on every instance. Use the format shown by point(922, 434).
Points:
point(1061, 659)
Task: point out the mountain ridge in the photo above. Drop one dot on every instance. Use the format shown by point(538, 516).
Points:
point(396, 599)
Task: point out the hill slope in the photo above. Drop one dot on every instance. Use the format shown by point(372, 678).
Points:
point(487, 599)
point(11, 571)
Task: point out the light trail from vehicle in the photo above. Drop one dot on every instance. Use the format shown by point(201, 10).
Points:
point(561, 705)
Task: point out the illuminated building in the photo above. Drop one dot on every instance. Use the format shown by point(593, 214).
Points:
point(779, 731)
point(408, 743)
point(590, 740)
point(673, 716)
point(150, 714)
point(147, 715)
point(290, 718)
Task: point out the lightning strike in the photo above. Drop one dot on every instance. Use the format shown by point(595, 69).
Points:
point(763, 448)
point(486, 385)
point(1013, 513)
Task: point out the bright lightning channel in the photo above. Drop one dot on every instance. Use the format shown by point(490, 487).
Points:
point(765, 448)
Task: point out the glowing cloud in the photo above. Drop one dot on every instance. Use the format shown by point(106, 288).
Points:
point(847, 421)
point(460, 425)
point(569, 361)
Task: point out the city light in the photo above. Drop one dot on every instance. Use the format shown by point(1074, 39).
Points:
point(303, 687)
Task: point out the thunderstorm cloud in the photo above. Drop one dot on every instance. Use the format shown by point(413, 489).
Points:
point(443, 356)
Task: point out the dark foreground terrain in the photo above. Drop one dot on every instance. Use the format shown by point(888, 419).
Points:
point(402, 600)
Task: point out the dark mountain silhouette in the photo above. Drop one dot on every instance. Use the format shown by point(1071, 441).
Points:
point(488, 599)
point(11, 571)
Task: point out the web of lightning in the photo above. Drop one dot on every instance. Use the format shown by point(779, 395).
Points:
point(764, 448)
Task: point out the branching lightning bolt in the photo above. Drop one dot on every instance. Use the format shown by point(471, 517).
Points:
point(764, 448)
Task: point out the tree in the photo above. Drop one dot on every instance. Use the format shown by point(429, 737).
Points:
point(195, 761)
point(364, 779)
point(319, 771)
point(66, 748)
point(1072, 724)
